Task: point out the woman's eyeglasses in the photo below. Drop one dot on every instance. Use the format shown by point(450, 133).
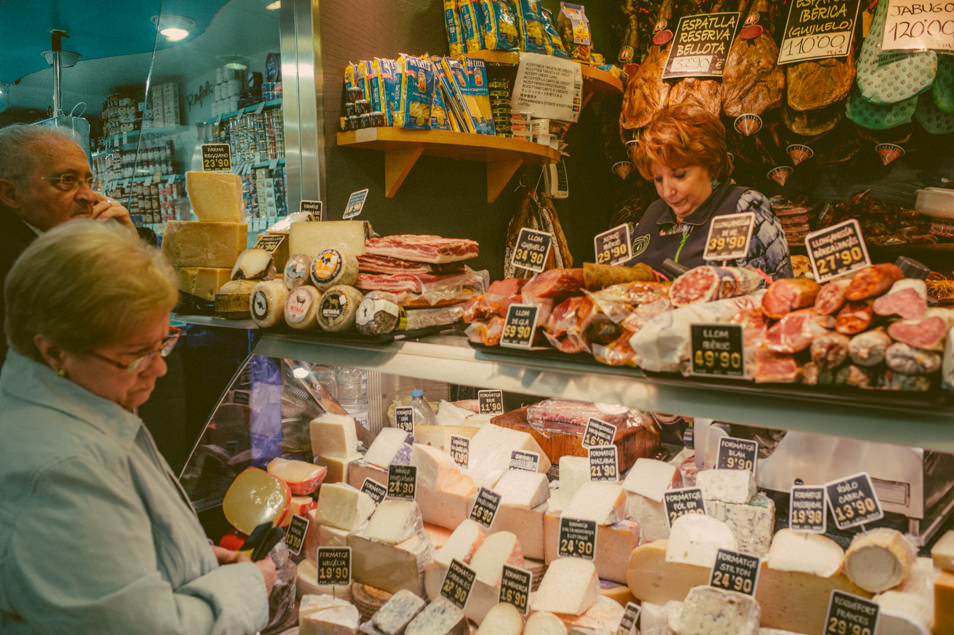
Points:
point(164, 350)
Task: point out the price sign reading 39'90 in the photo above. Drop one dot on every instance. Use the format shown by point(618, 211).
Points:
point(334, 565)
point(612, 246)
point(216, 157)
point(717, 350)
point(402, 481)
point(729, 236)
point(532, 249)
point(853, 501)
point(519, 326)
point(837, 251)
point(577, 539)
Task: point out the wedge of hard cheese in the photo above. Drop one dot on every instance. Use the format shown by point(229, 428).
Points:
point(390, 567)
point(203, 244)
point(327, 615)
point(709, 610)
point(614, 544)
point(215, 196)
point(310, 238)
point(570, 585)
point(202, 282)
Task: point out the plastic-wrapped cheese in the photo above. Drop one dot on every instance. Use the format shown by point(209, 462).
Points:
point(267, 302)
point(879, 559)
point(378, 315)
point(333, 266)
point(301, 307)
point(296, 271)
point(255, 497)
point(338, 307)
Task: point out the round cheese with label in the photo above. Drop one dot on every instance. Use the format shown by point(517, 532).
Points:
point(297, 271)
point(301, 306)
point(338, 308)
point(333, 266)
point(267, 302)
point(378, 315)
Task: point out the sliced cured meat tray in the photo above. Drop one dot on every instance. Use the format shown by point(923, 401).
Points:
point(540, 353)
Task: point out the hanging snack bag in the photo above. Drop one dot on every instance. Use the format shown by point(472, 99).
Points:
point(575, 31)
point(532, 34)
point(498, 25)
point(552, 40)
point(469, 25)
point(417, 88)
point(452, 23)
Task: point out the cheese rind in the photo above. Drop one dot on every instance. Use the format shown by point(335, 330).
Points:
point(302, 477)
point(879, 559)
point(203, 244)
point(333, 435)
point(232, 299)
point(695, 539)
point(202, 282)
point(390, 567)
point(343, 506)
point(503, 619)
point(570, 585)
point(215, 196)
point(394, 521)
point(709, 610)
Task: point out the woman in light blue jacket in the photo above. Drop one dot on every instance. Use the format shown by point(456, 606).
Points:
point(96, 535)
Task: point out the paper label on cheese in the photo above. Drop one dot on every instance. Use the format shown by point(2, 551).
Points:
point(807, 509)
point(598, 432)
point(737, 454)
point(604, 464)
point(490, 402)
point(402, 481)
point(853, 501)
point(850, 614)
point(326, 266)
point(404, 418)
point(460, 450)
point(375, 490)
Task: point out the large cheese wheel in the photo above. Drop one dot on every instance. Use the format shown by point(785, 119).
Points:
point(879, 559)
point(267, 302)
point(338, 307)
point(333, 266)
point(301, 307)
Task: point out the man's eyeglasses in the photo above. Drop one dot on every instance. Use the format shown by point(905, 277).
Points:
point(164, 350)
point(69, 182)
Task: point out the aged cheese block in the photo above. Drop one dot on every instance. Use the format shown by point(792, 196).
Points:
point(252, 264)
point(751, 524)
point(651, 478)
point(462, 543)
point(445, 509)
point(490, 449)
point(394, 521)
point(215, 196)
point(503, 619)
point(570, 585)
point(319, 535)
point(386, 446)
point(327, 615)
point(494, 552)
point(943, 552)
point(879, 559)
point(650, 514)
point(805, 552)
point(232, 299)
point(436, 470)
point(651, 578)
point(521, 488)
point(599, 501)
point(333, 435)
point(614, 544)
point(302, 477)
point(728, 486)
point(338, 467)
point(338, 307)
point(202, 282)
point(711, 611)
point(343, 506)
point(390, 567)
point(944, 603)
point(203, 244)
point(695, 539)
point(574, 471)
point(439, 436)
point(312, 237)
point(526, 524)
point(483, 596)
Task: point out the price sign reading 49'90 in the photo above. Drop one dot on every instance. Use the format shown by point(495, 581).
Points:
point(519, 327)
point(577, 539)
point(717, 350)
point(532, 249)
point(837, 250)
point(216, 157)
point(853, 501)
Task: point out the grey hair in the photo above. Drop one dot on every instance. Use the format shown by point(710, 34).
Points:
point(16, 155)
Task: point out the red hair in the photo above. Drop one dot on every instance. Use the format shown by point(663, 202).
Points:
point(680, 137)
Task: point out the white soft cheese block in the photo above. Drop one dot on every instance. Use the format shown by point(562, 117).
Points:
point(805, 552)
point(650, 515)
point(502, 619)
point(526, 524)
point(570, 585)
point(943, 552)
point(327, 615)
point(602, 617)
point(494, 552)
point(462, 543)
point(574, 471)
point(695, 539)
point(333, 435)
point(343, 506)
point(202, 282)
point(614, 544)
point(653, 619)
point(712, 611)
point(338, 467)
point(394, 521)
point(921, 581)
point(309, 238)
point(523, 489)
point(215, 196)
point(728, 486)
point(879, 559)
point(599, 501)
point(651, 478)
point(385, 447)
point(490, 450)
point(444, 509)
point(436, 470)
point(440, 617)
point(438, 436)
point(902, 613)
point(397, 612)
point(322, 536)
point(390, 567)
point(307, 583)
point(752, 525)
point(544, 623)
point(203, 244)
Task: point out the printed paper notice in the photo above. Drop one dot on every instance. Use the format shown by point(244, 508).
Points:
point(918, 25)
point(548, 87)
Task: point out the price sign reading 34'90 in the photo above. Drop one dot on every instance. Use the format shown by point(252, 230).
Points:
point(532, 249)
point(729, 236)
point(519, 326)
point(853, 501)
point(402, 481)
point(334, 565)
point(837, 251)
point(577, 539)
point(612, 246)
point(717, 350)
point(216, 157)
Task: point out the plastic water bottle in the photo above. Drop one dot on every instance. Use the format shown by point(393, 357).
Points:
point(353, 393)
point(423, 414)
point(326, 377)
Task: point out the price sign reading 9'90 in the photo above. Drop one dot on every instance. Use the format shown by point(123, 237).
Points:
point(216, 157)
point(531, 250)
point(717, 350)
point(837, 251)
point(519, 326)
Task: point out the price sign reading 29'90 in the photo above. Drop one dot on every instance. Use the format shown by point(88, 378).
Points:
point(532, 249)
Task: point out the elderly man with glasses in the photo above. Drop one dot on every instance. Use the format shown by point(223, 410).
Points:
point(45, 180)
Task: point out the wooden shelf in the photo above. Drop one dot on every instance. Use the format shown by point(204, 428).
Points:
point(595, 81)
point(402, 148)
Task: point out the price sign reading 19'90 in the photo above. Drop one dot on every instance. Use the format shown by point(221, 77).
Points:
point(807, 509)
point(850, 615)
point(402, 481)
point(612, 246)
point(216, 157)
point(853, 501)
point(598, 432)
point(531, 250)
point(458, 581)
point(577, 539)
point(519, 326)
point(515, 587)
point(837, 250)
point(717, 350)
point(485, 506)
point(735, 571)
point(729, 236)
point(334, 565)
point(686, 500)
point(737, 454)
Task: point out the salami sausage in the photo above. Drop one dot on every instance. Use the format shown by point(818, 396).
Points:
point(831, 297)
point(813, 375)
point(906, 359)
point(867, 349)
point(787, 295)
point(554, 283)
point(794, 332)
point(706, 283)
point(829, 350)
point(872, 281)
point(854, 317)
point(900, 381)
point(906, 298)
point(927, 332)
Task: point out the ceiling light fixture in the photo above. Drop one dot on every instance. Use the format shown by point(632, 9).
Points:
point(173, 27)
point(233, 62)
point(274, 6)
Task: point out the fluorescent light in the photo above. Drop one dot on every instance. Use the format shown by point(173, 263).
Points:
point(173, 27)
point(274, 6)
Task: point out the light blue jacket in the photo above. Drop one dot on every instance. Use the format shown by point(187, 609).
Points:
point(96, 535)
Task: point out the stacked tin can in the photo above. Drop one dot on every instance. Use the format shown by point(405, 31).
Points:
point(499, 88)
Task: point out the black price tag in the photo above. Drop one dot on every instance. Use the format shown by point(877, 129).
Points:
point(837, 251)
point(531, 250)
point(402, 481)
point(735, 571)
point(613, 246)
point(355, 204)
point(717, 350)
point(375, 490)
point(334, 565)
point(458, 581)
point(295, 536)
point(460, 450)
point(729, 236)
point(737, 454)
point(850, 615)
point(404, 418)
point(519, 327)
point(627, 625)
point(515, 586)
point(807, 509)
point(485, 506)
point(523, 460)
point(604, 464)
point(314, 209)
point(577, 539)
point(853, 501)
point(701, 45)
point(490, 402)
point(686, 500)
point(216, 157)
point(817, 29)
point(597, 433)
point(270, 242)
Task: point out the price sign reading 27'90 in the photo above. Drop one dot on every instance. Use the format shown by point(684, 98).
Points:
point(532, 249)
point(216, 157)
point(837, 251)
point(520, 325)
